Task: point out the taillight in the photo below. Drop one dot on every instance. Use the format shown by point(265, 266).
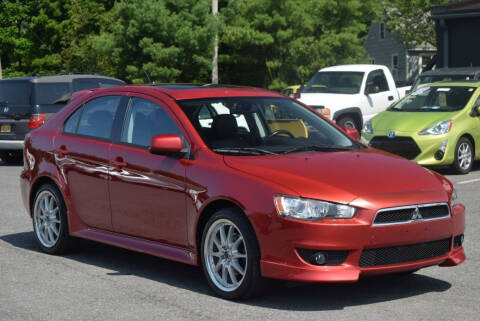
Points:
point(36, 120)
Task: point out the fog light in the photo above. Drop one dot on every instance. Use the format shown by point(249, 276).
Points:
point(439, 155)
point(458, 240)
point(319, 258)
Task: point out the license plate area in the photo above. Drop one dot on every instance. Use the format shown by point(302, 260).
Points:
point(5, 128)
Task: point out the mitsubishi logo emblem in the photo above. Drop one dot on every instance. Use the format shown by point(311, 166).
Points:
point(391, 134)
point(416, 215)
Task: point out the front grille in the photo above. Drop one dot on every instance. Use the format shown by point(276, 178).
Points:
point(404, 254)
point(407, 214)
point(402, 146)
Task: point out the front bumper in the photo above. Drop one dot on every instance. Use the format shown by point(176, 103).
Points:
point(11, 144)
point(355, 236)
point(428, 146)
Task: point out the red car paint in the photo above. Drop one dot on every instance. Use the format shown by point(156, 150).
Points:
point(129, 197)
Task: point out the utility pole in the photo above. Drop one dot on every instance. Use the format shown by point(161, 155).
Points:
point(1, 68)
point(215, 44)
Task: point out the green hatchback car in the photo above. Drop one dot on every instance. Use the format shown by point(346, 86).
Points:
point(436, 125)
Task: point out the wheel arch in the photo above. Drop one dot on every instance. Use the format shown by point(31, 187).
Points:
point(354, 112)
point(208, 211)
point(40, 181)
point(471, 139)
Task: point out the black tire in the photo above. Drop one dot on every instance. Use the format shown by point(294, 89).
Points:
point(347, 121)
point(11, 156)
point(64, 242)
point(252, 283)
point(462, 166)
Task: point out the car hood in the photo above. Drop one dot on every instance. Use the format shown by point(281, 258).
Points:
point(345, 176)
point(408, 121)
point(329, 100)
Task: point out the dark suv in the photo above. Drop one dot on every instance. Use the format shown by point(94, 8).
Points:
point(26, 102)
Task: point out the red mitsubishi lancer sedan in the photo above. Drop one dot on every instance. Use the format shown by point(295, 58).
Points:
point(246, 183)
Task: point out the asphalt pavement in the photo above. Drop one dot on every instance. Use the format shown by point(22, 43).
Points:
point(100, 282)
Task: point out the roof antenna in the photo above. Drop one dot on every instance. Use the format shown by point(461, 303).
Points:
point(148, 77)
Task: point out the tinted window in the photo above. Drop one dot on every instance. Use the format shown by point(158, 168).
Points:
point(15, 93)
point(97, 117)
point(377, 78)
point(51, 93)
point(83, 84)
point(72, 122)
point(144, 120)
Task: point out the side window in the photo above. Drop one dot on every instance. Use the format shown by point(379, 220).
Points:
point(83, 84)
point(205, 118)
point(377, 78)
point(71, 124)
point(97, 117)
point(144, 120)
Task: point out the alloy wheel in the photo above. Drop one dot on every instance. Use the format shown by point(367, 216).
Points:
point(464, 155)
point(47, 219)
point(225, 255)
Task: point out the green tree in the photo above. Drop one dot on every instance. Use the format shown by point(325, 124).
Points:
point(272, 43)
point(167, 39)
point(410, 20)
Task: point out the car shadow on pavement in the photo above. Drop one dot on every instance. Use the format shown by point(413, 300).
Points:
point(445, 170)
point(281, 295)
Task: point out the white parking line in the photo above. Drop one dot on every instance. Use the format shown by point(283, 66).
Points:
point(469, 181)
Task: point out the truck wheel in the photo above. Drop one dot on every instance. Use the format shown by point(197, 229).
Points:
point(11, 156)
point(347, 121)
point(464, 157)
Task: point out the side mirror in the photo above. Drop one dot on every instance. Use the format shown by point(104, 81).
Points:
point(372, 89)
point(168, 145)
point(475, 111)
point(352, 133)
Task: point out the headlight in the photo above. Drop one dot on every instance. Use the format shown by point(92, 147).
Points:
point(308, 209)
point(367, 127)
point(438, 129)
point(453, 198)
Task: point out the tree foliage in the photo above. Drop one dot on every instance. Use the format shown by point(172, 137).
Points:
point(268, 43)
point(410, 20)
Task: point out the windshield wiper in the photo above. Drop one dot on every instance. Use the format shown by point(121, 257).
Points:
point(317, 148)
point(244, 150)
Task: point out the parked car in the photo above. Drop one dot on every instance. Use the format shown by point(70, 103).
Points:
point(438, 124)
point(284, 195)
point(26, 102)
point(446, 74)
point(351, 94)
point(292, 91)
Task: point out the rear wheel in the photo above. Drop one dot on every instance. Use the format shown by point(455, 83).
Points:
point(230, 256)
point(50, 222)
point(464, 157)
point(11, 156)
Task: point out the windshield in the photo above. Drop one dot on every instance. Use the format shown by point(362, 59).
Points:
point(424, 80)
point(337, 82)
point(246, 126)
point(425, 99)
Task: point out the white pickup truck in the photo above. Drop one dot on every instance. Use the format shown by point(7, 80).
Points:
point(351, 94)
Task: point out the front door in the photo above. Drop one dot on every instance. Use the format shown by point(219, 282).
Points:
point(147, 191)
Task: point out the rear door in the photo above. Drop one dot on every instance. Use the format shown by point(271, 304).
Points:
point(82, 155)
point(147, 191)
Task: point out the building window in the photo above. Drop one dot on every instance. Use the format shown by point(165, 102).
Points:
point(394, 62)
point(382, 30)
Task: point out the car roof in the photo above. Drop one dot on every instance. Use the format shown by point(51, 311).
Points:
point(58, 78)
point(453, 71)
point(188, 91)
point(458, 83)
point(354, 67)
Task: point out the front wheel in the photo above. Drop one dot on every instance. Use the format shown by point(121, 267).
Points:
point(50, 222)
point(230, 256)
point(464, 156)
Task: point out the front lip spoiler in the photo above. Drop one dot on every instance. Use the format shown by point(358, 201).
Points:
point(11, 144)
